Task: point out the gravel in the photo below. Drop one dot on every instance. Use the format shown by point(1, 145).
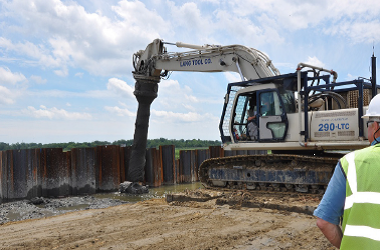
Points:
point(44, 207)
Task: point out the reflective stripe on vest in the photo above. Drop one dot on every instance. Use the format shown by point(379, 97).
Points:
point(351, 179)
point(362, 231)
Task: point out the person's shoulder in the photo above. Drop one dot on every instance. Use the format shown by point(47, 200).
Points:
point(365, 151)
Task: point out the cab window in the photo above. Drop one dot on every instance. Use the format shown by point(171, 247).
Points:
point(270, 104)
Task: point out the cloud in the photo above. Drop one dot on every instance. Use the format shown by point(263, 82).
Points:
point(271, 21)
point(120, 87)
point(241, 26)
point(169, 116)
point(179, 98)
point(120, 111)
point(232, 77)
point(189, 17)
point(69, 36)
point(79, 74)
point(315, 62)
point(55, 113)
point(136, 15)
point(357, 31)
point(191, 98)
point(170, 84)
point(29, 50)
point(172, 96)
point(64, 34)
point(38, 79)
point(188, 107)
point(6, 96)
point(350, 77)
point(216, 2)
point(7, 77)
point(62, 72)
point(288, 15)
point(357, 21)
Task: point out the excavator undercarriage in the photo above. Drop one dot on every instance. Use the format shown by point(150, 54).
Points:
point(272, 172)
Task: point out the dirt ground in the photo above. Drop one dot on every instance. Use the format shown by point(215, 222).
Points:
point(226, 221)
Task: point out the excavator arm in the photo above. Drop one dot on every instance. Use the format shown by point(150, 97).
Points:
point(248, 62)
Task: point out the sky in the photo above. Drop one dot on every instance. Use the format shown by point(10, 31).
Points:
point(66, 66)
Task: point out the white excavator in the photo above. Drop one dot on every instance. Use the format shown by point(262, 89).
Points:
point(304, 118)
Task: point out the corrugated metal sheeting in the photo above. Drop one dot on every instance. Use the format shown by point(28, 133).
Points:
point(29, 173)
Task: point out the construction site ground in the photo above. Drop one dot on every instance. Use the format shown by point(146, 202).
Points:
point(200, 219)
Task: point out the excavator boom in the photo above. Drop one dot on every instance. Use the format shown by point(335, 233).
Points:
point(248, 62)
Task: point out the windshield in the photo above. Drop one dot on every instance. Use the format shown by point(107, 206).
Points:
point(287, 97)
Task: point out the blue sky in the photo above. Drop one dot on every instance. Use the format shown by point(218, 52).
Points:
point(65, 66)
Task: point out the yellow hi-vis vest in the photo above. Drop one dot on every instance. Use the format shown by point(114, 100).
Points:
point(361, 218)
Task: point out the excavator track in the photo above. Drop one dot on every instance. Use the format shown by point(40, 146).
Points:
point(272, 172)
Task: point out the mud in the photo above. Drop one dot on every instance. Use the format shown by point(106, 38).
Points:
point(284, 201)
point(193, 219)
point(44, 207)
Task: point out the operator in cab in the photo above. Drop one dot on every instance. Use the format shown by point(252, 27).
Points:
point(252, 119)
point(352, 198)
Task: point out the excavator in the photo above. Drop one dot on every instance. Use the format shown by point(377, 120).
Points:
point(305, 120)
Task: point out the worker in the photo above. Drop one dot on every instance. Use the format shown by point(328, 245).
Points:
point(252, 125)
point(354, 193)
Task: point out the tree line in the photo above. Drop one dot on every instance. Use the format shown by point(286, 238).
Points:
point(151, 143)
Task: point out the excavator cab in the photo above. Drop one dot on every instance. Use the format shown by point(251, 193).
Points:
point(261, 115)
point(296, 112)
point(272, 118)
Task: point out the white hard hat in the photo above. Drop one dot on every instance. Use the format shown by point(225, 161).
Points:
point(373, 108)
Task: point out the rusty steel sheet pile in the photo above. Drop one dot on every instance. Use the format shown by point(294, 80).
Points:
point(83, 174)
point(29, 173)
